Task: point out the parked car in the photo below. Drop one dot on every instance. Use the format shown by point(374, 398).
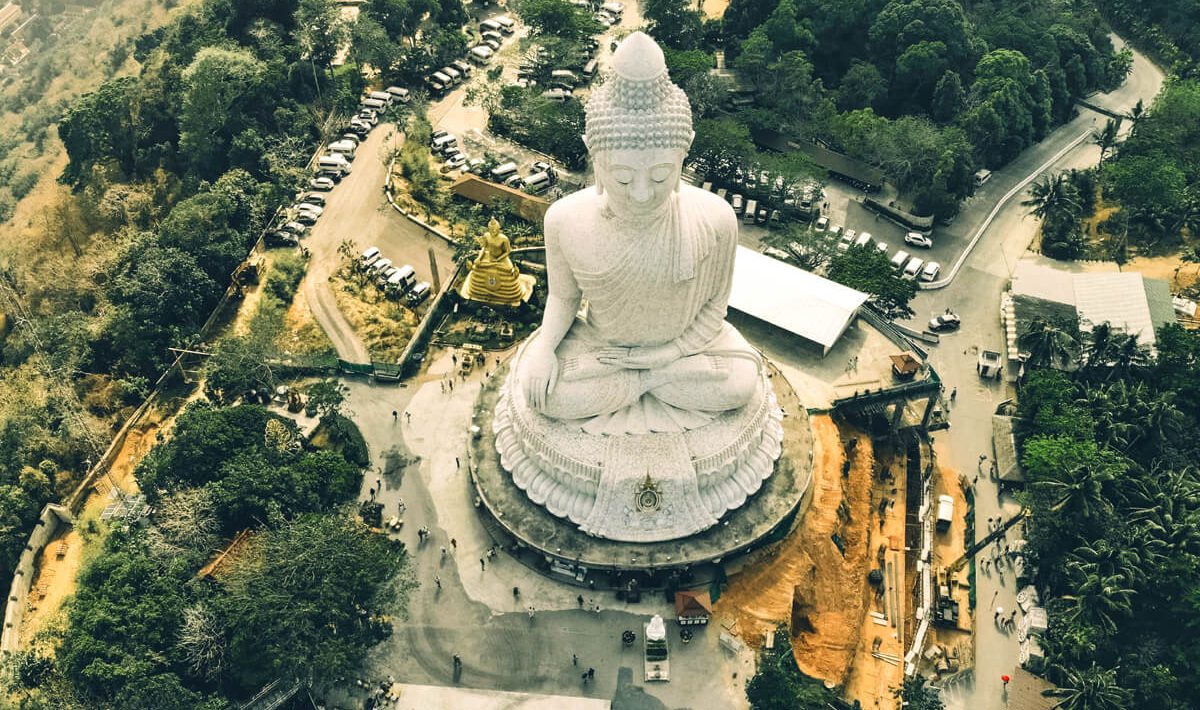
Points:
point(307, 218)
point(738, 203)
point(492, 44)
point(913, 268)
point(310, 208)
point(491, 34)
point(836, 230)
point(822, 224)
point(882, 247)
point(332, 175)
point(368, 257)
point(846, 241)
point(556, 94)
point(931, 271)
point(281, 239)
point(419, 293)
point(946, 321)
point(295, 228)
point(313, 199)
point(456, 162)
point(322, 183)
point(918, 240)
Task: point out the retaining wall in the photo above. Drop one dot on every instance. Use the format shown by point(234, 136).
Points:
point(53, 517)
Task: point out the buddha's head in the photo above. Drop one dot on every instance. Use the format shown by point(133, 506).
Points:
point(638, 130)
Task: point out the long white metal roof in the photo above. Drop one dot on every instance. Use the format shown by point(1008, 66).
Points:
point(793, 299)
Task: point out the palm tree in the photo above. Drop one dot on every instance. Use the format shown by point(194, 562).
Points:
point(1047, 344)
point(1098, 351)
point(1129, 356)
point(1080, 491)
point(1090, 689)
point(1099, 600)
point(1105, 559)
point(1052, 197)
point(1105, 138)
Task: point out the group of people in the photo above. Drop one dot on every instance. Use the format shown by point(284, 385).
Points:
point(381, 693)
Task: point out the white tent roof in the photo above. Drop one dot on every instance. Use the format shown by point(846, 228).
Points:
point(793, 299)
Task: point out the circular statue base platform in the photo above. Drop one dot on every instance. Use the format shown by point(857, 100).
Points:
point(765, 517)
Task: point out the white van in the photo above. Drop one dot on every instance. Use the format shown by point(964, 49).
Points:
point(899, 258)
point(384, 96)
point(913, 267)
point(589, 69)
point(399, 93)
point(503, 171)
point(489, 26)
point(373, 104)
point(454, 74)
point(751, 211)
point(401, 280)
point(982, 176)
point(507, 25)
point(615, 9)
point(566, 76)
point(481, 54)
point(419, 293)
point(931, 271)
point(441, 143)
point(443, 79)
point(368, 257)
point(346, 148)
point(334, 163)
point(380, 267)
point(536, 184)
point(863, 239)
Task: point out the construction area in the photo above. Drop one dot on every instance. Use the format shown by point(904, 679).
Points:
point(842, 582)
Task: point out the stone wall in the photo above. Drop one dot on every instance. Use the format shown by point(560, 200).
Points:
point(52, 518)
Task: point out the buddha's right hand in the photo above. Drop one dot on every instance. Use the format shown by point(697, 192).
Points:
point(541, 374)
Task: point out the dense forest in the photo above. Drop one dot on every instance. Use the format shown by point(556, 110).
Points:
point(174, 172)
point(303, 597)
point(929, 90)
point(1114, 493)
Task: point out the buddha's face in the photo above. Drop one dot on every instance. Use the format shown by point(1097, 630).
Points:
point(638, 182)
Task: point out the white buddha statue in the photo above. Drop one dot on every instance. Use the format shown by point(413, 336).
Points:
point(653, 260)
point(635, 410)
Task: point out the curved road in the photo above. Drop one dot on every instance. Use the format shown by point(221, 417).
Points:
point(359, 211)
point(975, 295)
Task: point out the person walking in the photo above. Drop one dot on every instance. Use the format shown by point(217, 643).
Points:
point(574, 660)
point(372, 492)
point(516, 592)
point(953, 394)
point(438, 581)
point(482, 566)
point(443, 552)
point(457, 463)
point(591, 674)
point(395, 415)
point(454, 544)
point(407, 416)
point(579, 601)
point(379, 484)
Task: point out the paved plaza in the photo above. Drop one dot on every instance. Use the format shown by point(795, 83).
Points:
point(474, 614)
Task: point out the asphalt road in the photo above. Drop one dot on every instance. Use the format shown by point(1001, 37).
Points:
point(358, 210)
point(975, 295)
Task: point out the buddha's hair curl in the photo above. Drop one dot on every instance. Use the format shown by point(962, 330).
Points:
point(639, 107)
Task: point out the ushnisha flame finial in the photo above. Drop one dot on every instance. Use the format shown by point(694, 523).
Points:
point(638, 107)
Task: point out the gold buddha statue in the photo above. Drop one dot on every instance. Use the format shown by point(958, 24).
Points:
point(494, 278)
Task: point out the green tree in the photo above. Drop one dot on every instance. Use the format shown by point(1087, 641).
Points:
point(321, 31)
point(308, 597)
point(1093, 688)
point(1048, 344)
point(918, 695)
point(862, 86)
point(327, 397)
point(1053, 197)
point(673, 23)
point(1105, 138)
point(867, 269)
point(218, 87)
point(557, 17)
point(948, 98)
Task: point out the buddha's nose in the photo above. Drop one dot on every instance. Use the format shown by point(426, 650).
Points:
point(639, 191)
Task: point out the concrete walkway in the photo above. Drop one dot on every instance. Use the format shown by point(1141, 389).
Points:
point(474, 613)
